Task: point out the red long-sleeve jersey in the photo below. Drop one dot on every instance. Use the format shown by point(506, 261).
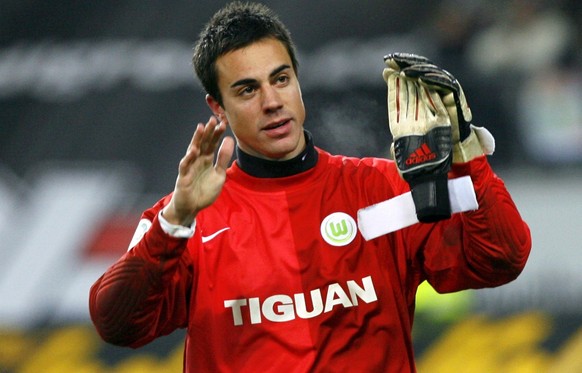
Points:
point(278, 278)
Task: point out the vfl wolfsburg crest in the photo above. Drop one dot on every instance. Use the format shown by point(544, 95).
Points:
point(338, 229)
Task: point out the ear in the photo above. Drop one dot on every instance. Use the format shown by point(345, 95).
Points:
point(217, 110)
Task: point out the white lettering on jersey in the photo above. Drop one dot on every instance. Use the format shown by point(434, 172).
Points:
point(336, 296)
point(281, 307)
point(255, 308)
point(236, 304)
point(278, 308)
point(301, 308)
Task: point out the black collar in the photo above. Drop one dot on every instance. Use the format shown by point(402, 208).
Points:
point(265, 168)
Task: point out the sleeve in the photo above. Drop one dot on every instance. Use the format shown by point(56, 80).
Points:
point(484, 248)
point(145, 294)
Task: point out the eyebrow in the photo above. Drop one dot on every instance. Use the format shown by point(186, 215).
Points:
point(252, 81)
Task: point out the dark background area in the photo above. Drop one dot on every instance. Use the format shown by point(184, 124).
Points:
point(115, 114)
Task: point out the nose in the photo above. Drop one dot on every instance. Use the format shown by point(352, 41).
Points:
point(271, 99)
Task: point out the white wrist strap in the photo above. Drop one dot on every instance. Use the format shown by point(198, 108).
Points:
point(399, 212)
point(178, 231)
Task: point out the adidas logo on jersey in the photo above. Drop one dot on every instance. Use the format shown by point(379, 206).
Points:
point(420, 155)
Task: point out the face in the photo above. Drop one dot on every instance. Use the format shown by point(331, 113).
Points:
point(261, 100)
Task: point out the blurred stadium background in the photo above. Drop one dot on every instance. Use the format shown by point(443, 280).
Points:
point(98, 102)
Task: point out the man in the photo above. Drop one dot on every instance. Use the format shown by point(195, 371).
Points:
point(262, 261)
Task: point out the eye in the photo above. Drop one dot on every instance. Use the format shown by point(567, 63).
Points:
point(282, 79)
point(245, 91)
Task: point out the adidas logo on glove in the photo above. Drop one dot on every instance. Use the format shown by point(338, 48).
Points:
point(420, 155)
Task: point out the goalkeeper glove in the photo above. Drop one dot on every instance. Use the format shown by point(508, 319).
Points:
point(421, 146)
point(469, 141)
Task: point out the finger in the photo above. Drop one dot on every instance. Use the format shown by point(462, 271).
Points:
point(434, 77)
point(426, 97)
point(440, 82)
point(435, 103)
point(193, 150)
point(218, 132)
point(387, 72)
point(402, 60)
point(196, 138)
point(224, 154)
point(207, 143)
point(214, 134)
point(426, 68)
point(417, 71)
point(393, 82)
point(412, 99)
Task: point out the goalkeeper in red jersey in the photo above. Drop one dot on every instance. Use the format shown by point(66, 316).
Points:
point(266, 261)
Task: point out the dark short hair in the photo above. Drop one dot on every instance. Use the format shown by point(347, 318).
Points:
point(236, 26)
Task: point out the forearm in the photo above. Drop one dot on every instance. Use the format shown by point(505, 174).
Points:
point(121, 301)
point(487, 247)
point(129, 303)
point(496, 240)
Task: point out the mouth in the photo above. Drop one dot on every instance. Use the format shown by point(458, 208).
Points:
point(275, 125)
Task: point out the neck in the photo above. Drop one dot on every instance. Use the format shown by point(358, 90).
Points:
point(264, 168)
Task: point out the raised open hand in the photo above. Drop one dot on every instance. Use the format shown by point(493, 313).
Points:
point(200, 177)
